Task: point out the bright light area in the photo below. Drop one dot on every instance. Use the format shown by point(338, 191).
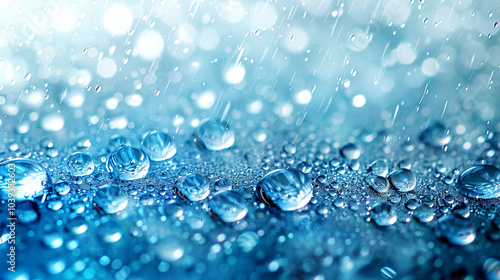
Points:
point(234, 74)
point(359, 101)
point(117, 19)
point(150, 45)
point(206, 100)
point(303, 97)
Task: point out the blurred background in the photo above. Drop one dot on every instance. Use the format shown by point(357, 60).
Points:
point(73, 67)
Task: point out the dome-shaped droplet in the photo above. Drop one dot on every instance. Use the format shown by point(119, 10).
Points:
point(491, 269)
point(78, 225)
point(62, 188)
point(403, 180)
point(158, 146)
point(436, 135)
point(223, 185)
point(378, 183)
point(247, 241)
point(128, 163)
point(457, 230)
point(22, 179)
point(228, 206)
point(480, 181)
point(350, 151)
point(116, 142)
point(169, 249)
point(287, 189)
point(214, 135)
point(80, 164)
point(383, 215)
point(27, 212)
point(424, 213)
point(379, 167)
point(53, 240)
point(111, 199)
point(193, 187)
point(110, 231)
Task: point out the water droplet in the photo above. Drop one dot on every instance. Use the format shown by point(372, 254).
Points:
point(304, 166)
point(379, 167)
point(378, 183)
point(80, 164)
point(158, 146)
point(290, 149)
point(424, 214)
point(228, 206)
point(436, 135)
point(214, 135)
point(110, 231)
point(53, 240)
point(62, 188)
point(27, 212)
point(111, 199)
point(31, 179)
point(351, 151)
point(480, 181)
point(128, 163)
point(458, 231)
point(491, 269)
point(388, 273)
point(169, 249)
point(223, 185)
point(259, 135)
point(193, 187)
point(287, 189)
point(403, 180)
point(117, 141)
point(383, 215)
point(77, 225)
point(247, 241)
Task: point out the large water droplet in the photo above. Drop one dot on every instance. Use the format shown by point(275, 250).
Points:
point(53, 240)
point(424, 213)
point(223, 185)
point(491, 269)
point(480, 181)
point(383, 215)
point(110, 231)
point(169, 249)
point(27, 212)
point(458, 231)
point(117, 141)
point(379, 167)
point(80, 164)
point(351, 151)
point(158, 145)
point(22, 179)
point(214, 135)
point(193, 187)
point(378, 183)
point(110, 199)
point(435, 135)
point(62, 188)
point(287, 189)
point(128, 163)
point(388, 273)
point(228, 206)
point(403, 180)
point(247, 241)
